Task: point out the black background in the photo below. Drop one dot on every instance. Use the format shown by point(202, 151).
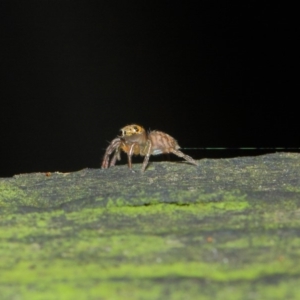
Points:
point(209, 73)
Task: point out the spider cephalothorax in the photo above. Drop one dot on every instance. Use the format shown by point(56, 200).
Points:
point(135, 140)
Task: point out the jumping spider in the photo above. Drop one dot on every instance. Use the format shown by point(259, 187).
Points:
point(135, 140)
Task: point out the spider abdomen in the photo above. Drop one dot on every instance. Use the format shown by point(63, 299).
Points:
point(162, 142)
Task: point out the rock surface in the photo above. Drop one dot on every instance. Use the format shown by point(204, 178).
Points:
point(229, 229)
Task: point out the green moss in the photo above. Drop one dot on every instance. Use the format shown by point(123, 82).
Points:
point(147, 289)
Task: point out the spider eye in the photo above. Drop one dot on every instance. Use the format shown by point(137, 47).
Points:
point(122, 132)
point(136, 129)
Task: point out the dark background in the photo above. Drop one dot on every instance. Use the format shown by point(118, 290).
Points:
point(209, 73)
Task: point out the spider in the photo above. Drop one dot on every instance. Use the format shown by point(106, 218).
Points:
point(135, 140)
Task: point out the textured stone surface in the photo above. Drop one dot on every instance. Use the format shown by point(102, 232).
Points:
point(228, 229)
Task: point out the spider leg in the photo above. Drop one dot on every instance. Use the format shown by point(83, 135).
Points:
point(129, 155)
point(186, 157)
point(148, 149)
point(115, 157)
point(114, 146)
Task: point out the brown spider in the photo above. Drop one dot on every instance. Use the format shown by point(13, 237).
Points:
point(135, 140)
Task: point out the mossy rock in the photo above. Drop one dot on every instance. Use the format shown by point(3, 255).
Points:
point(228, 229)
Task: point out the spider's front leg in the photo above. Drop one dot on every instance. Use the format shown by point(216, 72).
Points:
point(129, 155)
point(117, 156)
point(113, 146)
